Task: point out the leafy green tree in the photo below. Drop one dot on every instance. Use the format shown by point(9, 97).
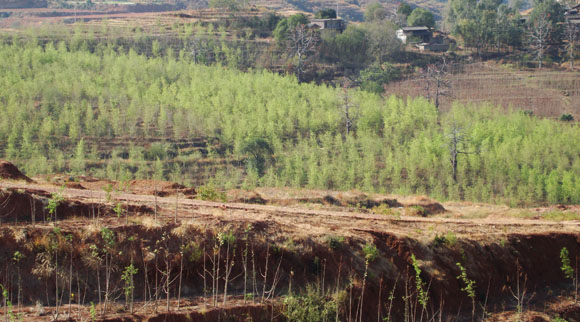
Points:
point(404, 9)
point(326, 14)
point(421, 17)
point(553, 12)
point(286, 25)
point(348, 48)
point(374, 77)
point(375, 12)
point(259, 151)
point(382, 40)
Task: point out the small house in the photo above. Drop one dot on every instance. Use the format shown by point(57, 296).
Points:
point(573, 15)
point(439, 43)
point(328, 24)
point(421, 34)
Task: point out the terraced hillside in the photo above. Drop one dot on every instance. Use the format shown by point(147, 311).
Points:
point(11, 4)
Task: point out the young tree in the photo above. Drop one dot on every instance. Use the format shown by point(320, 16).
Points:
point(571, 31)
point(382, 40)
point(350, 110)
point(456, 143)
point(538, 32)
point(437, 82)
point(301, 42)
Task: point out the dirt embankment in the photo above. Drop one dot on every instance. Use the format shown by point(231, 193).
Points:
point(330, 263)
point(188, 252)
point(9, 171)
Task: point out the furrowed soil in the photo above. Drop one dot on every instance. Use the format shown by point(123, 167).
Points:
point(73, 242)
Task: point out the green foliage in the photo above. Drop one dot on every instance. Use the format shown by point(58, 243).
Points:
point(370, 251)
point(422, 295)
point(226, 238)
point(375, 12)
point(259, 151)
point(311, 306)
point(224, 4)
point(109, 238)
point(421, 17)
point(285, 25)
point(334, 242)
point(558, 319)
point(386, 210)
point(53, 203)
point(376, 76)
point(210, 193)
point(399, 146)
point(93, 312)
point(404, 9)
point(449, 240)
point(326, 14)
point(567, 118)
point(566, 264)
point(485, 24)
point(129, 285)
point(118, 209)
point(8, 304)
point(469, 287)
point(348, 48)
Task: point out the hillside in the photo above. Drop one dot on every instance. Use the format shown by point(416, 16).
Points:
point(128, 116)
point(13, 4)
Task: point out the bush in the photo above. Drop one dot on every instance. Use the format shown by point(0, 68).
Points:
point(326, 14)
point(210, 193)
point(334, 242)
point(311, 306)
point(376, 76)
point(567, 118)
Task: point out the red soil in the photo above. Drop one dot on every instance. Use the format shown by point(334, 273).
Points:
point(9, 171)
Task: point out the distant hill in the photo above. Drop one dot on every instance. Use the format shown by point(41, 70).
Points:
point(348, 9)
point(16, 4)
point(352, 10)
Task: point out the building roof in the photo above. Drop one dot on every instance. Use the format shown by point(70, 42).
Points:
point(331, 19)
point(418, 28)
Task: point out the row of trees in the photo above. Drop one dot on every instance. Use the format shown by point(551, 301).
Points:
point(493, 25)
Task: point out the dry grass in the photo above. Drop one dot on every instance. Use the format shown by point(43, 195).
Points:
point(547, 93)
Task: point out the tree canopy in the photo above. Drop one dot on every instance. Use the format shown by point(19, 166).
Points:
point(326, 14)
point(421, 17)
point(375, 12)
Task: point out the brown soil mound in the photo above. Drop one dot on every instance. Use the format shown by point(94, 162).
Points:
point(10, 172)
point(243, 196)
point(428, 206)
point(159, 188)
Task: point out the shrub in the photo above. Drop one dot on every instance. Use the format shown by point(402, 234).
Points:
point(312, 306)
point(334, 242)
point(210, 193)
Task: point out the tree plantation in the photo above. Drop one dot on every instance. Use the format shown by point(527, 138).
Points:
point(61, 108)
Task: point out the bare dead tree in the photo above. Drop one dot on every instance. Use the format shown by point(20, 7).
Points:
point(572, 30)
point(538, 35)
point(456, 144)
point(301, 42)
point(437, 81)
point(350, 110)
